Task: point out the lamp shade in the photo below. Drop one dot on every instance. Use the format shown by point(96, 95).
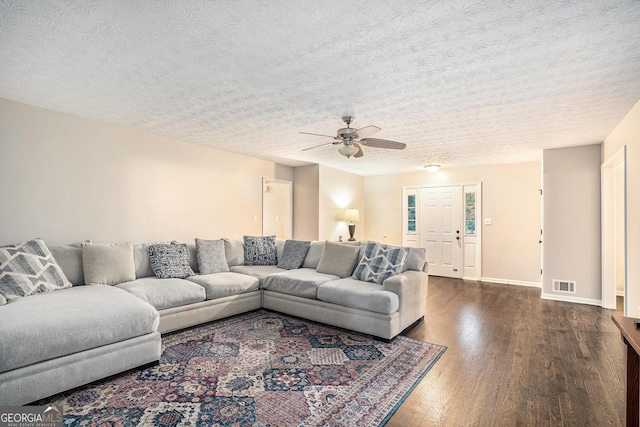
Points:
point(352, 215)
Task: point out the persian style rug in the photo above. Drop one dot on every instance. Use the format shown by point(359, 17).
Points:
point(259, 369)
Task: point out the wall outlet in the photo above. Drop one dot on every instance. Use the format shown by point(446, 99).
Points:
point(255, 218)
point(488, 221)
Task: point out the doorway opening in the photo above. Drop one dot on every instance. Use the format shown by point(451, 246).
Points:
point(614, 230)
point(277, 208)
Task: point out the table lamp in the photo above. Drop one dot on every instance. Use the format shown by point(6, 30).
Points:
point(351, 215)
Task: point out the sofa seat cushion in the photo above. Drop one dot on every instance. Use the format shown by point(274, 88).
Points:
point(165, 293)
point(354, 293)
point(302, 282)
point(257, 271)
point(220, 285)
point(46, 326)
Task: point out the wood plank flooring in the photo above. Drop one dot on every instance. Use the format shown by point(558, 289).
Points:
point(514, 359)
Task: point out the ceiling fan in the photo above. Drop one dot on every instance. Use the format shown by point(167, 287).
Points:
point(352, 139)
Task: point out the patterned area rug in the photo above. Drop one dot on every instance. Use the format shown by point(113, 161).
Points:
point(259, 369)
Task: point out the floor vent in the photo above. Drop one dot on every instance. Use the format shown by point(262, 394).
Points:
point(564, 286)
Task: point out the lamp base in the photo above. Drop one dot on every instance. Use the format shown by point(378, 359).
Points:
point(352, 230)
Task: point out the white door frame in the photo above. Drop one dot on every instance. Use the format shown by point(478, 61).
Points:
point(479, 223)
point(610, 226)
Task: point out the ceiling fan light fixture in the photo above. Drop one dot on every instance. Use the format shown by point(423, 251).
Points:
point(431, 168)
point(348, 150)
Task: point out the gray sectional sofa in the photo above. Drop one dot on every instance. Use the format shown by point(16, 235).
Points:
point(55, 341)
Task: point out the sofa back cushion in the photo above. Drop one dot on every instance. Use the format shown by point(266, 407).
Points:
point(141, 259)
point(416, 259)
point(69, 258)
point(234, 252)
point(313, 255)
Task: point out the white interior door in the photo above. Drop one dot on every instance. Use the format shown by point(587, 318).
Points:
point(440, 233)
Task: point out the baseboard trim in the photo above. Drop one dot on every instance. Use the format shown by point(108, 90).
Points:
point(510, 282)
point(578, 300)
point(619, 293)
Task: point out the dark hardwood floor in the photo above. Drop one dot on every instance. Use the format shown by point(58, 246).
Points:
point(514, 359)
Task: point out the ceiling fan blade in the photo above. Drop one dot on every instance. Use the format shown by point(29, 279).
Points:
point(383, 143)
point(317, 134)
point(319, 145)
point(367, 131)
point(359, 153)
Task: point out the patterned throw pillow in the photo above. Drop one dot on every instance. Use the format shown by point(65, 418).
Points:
point(294, 254)
point(211, 256)
point(29, 268)
point(170, 260)
point(380, 262)
point(260, 250)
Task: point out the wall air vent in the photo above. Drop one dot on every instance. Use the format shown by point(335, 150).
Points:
point(568, 286)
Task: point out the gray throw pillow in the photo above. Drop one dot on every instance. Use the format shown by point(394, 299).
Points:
point(108, 263)
point(294, 253)
point(260, 250)
point(380, 262)
point(170, 260)
point(338, 259)
point(29, 268)
point(211, 256)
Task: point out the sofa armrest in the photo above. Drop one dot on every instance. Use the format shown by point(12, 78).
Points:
point(411, 288)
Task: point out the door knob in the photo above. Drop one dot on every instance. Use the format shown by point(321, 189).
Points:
point(457, 237)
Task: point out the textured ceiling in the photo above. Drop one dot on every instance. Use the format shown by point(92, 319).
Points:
point(461, 83)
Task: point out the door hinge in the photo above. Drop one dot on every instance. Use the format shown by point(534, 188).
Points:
point(541, 272)
point(540, 190)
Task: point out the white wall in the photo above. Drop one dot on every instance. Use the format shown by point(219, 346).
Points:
point(306, 199)
point(320, 196)
point(67, 179)
point(511, 198)
point(572, 212)
point(627, 132)
point(339, 190)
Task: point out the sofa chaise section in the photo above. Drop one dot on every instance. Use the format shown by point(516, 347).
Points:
point(56, 341)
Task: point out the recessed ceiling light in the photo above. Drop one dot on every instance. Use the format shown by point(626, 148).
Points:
point(432, 168)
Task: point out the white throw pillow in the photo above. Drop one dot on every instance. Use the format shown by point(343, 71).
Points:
point(338, 259)
point(108, 263)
